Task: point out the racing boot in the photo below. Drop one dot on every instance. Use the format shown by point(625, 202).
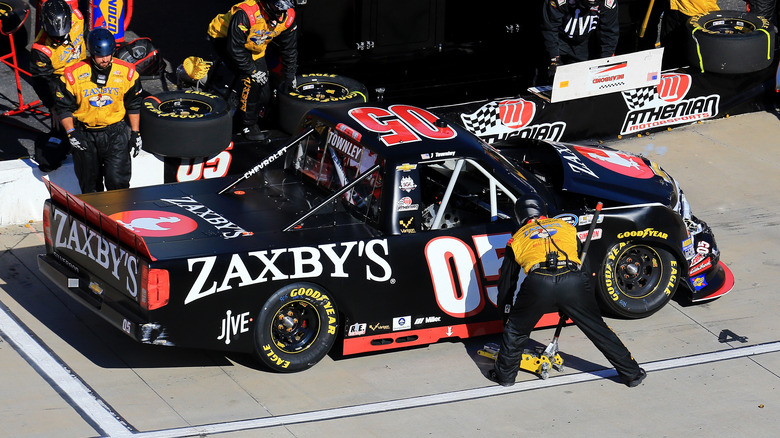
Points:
point(253, 133)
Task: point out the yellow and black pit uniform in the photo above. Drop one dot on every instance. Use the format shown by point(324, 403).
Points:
point(98, 113)
point(48, 58)
point(241, 37)
point(559, 285)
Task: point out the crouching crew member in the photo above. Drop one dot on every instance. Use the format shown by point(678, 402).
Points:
point(93, 98)
point(546, 249)
point(240, 37)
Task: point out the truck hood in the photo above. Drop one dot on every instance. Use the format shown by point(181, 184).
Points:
point(615, 175)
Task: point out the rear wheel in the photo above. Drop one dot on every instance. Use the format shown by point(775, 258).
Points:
point(296, 328)
point(637, 279)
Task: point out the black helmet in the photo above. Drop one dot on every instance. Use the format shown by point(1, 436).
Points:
point(55, 18)
point(100, 42)
point(529, 206)
point(276, 8)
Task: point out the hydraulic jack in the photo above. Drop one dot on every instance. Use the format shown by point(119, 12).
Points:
point(538, 361)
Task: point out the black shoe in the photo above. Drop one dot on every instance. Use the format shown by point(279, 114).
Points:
point(494, 377)
point(253, 133)
point(638, 379)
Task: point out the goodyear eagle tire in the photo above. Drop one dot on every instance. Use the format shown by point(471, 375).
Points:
point(317, 90)
point(296, 328)
point(185, 124)
point(730, 42)
point(636, 279)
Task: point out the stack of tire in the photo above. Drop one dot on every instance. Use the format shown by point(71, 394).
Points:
point(317, 90)
point(186, 124)
point(730, 42)
point(196, 124)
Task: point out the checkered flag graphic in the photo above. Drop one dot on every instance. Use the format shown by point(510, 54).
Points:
point(482, 120)
point(637, 98)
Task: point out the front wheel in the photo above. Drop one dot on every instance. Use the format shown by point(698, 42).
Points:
point(637, 280)
point(296, 328)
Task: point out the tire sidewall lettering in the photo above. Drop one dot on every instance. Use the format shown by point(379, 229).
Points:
point(306, 356)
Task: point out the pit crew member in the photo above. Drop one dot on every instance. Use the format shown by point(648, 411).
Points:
point(547, 250)
point(240, 37)
point(93, 98)
point(567, 26)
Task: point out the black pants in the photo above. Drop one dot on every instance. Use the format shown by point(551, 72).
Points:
point(674, 39)
point(572, 293)
point(107, 158)
point(253, 97)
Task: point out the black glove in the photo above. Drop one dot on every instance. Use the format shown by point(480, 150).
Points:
point(135, 142)
point(552, 68)
point(76, 141)
point(259, 76)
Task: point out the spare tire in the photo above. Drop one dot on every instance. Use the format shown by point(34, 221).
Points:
point(185, 124)
point(317, 90)
point(731, 42)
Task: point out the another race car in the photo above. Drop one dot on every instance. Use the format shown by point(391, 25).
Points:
point(380, 225)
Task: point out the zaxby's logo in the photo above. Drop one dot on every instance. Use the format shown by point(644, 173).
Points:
point(617, 162)
point(152, 223)
point(665, 104)
point(510, 118)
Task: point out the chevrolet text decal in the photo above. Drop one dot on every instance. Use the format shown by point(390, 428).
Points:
point(121, 264)
point(228, 229)
point(510, 118)
point(307, 262)
point(665, 104)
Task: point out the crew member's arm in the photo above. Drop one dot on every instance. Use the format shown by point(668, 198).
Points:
point(66, 103)
point(43, 78)
point(609, 28)
point(132, 101)
point(288, 50)
point(238, 32)
point(507, 282)
point(553, 12)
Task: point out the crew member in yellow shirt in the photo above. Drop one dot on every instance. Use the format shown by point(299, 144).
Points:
point(546, 249)
point(93, 98)
point(241, 37)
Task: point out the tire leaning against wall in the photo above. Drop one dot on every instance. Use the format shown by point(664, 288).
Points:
point(317, 90)
point(730, 42)
point(185, 124)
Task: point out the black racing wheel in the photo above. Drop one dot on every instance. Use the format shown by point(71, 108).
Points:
point(637, 279)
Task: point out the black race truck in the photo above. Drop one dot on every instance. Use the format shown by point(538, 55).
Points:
point(382, 226)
